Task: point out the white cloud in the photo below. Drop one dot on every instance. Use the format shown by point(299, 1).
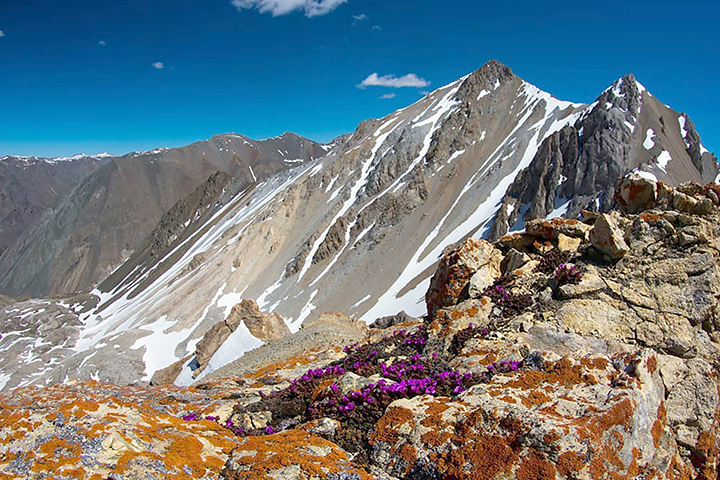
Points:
point(359, 18)
point(376, 28)
point(387, 96)
point(2, 34)
point(425, 92)
point(409, 80)
point(102, 43)
point(158, 65)
point(311, 8)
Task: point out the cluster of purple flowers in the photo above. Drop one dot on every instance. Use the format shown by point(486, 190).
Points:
point(506, 366)
point(463, 336)
point(568, 274)
point(313, 376)
point(550, 261)
point(397, 371)
point(239, 431)
point(509, 303)
point(373, 399)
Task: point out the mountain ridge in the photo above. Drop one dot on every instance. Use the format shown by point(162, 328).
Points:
point(361, 228)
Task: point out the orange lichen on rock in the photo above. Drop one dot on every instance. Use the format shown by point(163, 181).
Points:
point(386, 429)
point(569, 463)
point(257, 457)
point(563, 372)
point(659, 424)
point(129, 430)
point(479, 458)
point(535, 467)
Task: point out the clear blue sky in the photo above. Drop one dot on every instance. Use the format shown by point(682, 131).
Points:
point(234, 68)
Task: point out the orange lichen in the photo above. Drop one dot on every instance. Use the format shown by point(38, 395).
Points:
point(388, 425)
point(651, 364)
point(659, 424)
point(535, 467)
point(479, 458)
point(569, 463)
point(264, 454)
point(535, 398)
point(563, 372)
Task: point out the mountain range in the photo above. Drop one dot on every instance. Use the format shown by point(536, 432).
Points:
point(149, 255)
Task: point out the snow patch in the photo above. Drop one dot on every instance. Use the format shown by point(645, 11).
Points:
point(356, 304)
point(645, 175)
point(157, 354)
point(663, 159)
point(649, 143)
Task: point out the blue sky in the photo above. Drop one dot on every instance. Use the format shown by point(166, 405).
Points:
point(81, 75)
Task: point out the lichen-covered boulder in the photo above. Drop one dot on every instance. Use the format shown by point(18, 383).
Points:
point(291, 455)
point(455, 270)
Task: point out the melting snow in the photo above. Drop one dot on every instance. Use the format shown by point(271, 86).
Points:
point(645, 175)
point(237, 344)
point(157, 354)
point(357, 304)
point(304, 313)
point(455, 155)
point(649, 143)
point(663, 160)
point(3, 380)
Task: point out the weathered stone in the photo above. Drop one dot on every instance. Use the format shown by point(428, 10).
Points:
point(252, 420)
point(550, 229)
point(390, 320)
point(484, 277)
point(607, 238)
point(568, 244)
point(636, 193)
point(167, 375)
point(455, 269)
point(593, 318)
point(590, 283)
point(266, 327)
point(513, 260)
point(351, 382)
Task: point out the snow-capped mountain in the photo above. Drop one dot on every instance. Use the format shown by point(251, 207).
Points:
point(358, 230)
point(91, 231)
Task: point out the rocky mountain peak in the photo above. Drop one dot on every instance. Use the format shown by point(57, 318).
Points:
point(484, 80)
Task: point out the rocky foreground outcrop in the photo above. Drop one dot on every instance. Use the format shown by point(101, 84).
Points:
point(580, 349)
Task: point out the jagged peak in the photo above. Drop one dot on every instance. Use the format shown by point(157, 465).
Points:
point(625, 85)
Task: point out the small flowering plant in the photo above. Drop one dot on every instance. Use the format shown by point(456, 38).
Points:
point(463, 336)
point(566, 273)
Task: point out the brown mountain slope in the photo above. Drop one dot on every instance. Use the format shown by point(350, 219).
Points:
point(96, 227)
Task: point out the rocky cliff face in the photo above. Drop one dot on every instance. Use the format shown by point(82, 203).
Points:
point(96, 227)
point(579, 349)
point(29, 185)
point(578, 167)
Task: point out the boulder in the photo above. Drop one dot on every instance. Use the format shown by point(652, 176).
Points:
point(550, 229)
point(636, 193)
point(266, 327)
point(456, 268)
point(513, 260)
point(607, 237)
